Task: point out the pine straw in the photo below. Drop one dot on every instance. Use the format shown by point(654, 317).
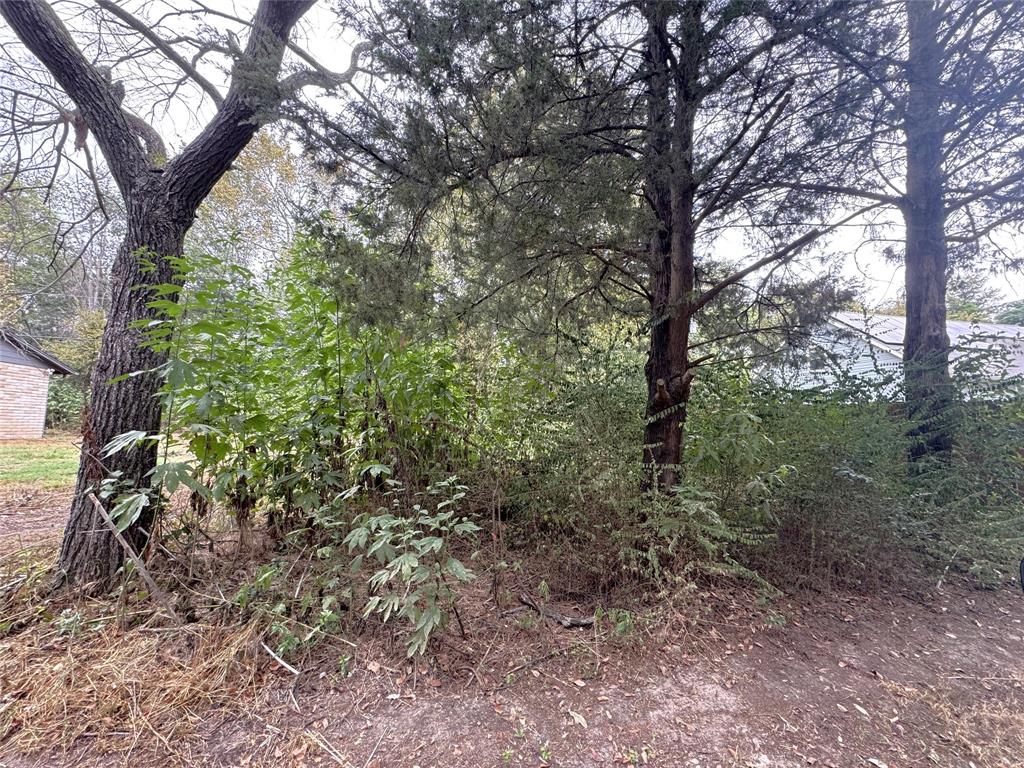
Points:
point(988, 728)
point(135, 693)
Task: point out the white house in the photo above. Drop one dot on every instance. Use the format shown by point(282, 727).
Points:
point(851, 347)
point(24, 386)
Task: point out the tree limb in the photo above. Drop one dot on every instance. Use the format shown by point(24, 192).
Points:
point(254, 93)
point(164, 47)
point(41, 30)
point(735, 277)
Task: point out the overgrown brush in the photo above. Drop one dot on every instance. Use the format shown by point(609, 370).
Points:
point(318, 429)
point(130, 690)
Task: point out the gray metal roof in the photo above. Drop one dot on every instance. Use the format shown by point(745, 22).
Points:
point(886, 332)
point(30, 350)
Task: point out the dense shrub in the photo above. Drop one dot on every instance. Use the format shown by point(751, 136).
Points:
point(64, 404)
point(69, 394)
point(300, 415)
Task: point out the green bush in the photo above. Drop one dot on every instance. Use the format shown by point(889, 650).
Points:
point(286, 403)
point(64, 404)
point(416, 569)
point(842, 517)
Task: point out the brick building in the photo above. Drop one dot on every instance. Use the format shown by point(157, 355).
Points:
point(24, 385)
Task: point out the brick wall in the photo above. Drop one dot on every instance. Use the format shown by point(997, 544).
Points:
point(23, 393)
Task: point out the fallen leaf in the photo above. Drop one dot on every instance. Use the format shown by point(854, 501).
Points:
point(580, 720)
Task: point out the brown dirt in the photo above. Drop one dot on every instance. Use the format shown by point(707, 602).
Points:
point(897, 681)
point(29, 515)
point(848, 682)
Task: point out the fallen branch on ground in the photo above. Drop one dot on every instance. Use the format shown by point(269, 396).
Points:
point(569, 622)
point(155, 591)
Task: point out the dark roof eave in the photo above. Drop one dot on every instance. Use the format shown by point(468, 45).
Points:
point(28, 348)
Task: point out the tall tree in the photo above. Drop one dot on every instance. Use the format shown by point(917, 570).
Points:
point(636, 153)
point(941, 121)
point(928, 385)
point(161, 195)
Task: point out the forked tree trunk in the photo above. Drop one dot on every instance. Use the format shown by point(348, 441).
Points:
point(161, 198)
point(928, 386)
point(89, 552)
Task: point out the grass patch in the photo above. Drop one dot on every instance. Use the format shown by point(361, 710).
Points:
point(47, 463)
point(52, 462)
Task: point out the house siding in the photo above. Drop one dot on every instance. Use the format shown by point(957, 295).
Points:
point(23, 393)
point(852, 349)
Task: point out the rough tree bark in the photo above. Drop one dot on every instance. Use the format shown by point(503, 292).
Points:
point(672, 97)
point(88, 553)
point(928, 386)
point(161, 199)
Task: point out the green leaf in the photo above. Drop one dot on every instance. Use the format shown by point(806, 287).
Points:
point(128, 441)
point(458, 570)
point(128, 509)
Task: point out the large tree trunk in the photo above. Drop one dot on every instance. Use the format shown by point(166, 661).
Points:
point(161, 198)
point(929, 389)
point(89, 552)
point(670, 190)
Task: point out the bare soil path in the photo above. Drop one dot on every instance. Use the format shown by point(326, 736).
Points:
point(849, 682)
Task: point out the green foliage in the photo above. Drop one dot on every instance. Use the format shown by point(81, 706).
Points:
point(725, 503)
point(416, 567)
point(1012, 313)
point(64, 404)
point(854, 514)
point(398, 562)
point(289, 400)
point(576, 494)
point(968, 505)
point(844, 509)
point(280, 400)
point(82, 348)
point(69, 394)
point(69, 622)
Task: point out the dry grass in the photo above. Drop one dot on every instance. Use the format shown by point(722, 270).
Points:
point(987, 729)
point(24, 577)
point(137, 692)
point(74, 679)
point(103, 674)
point(990, 730)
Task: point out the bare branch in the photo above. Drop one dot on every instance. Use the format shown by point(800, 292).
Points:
point(164, 47)
point(43, 33)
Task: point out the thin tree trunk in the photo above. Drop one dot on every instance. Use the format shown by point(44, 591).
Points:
point(929, 389)
point(89, 552)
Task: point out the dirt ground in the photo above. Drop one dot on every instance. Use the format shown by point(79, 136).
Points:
point(934, 679)
point(848, 682)
point(29, 515)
